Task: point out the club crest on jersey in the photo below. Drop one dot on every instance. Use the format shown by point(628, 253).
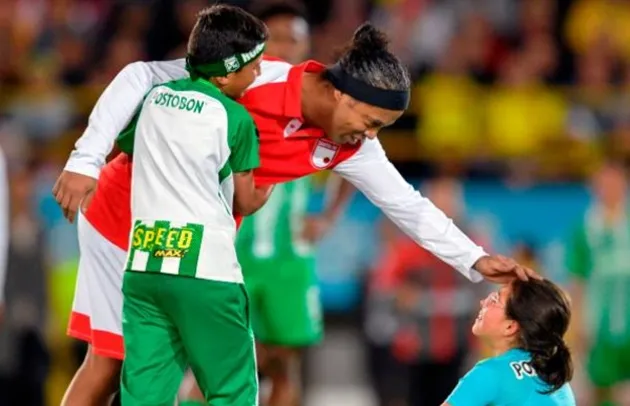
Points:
point(231, 64)
point(324, 153)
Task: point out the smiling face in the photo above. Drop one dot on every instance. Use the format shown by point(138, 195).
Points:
point(353, 120)
point(492, 324)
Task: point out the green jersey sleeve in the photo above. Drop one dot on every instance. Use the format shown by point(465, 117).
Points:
point(578, 258)
point(243, 140)
point(126, 138)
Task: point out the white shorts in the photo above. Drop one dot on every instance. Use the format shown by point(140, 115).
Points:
point(97, 308)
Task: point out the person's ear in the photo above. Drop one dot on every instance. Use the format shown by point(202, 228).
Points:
point(338, 95)
point(224, 80)
point(511, 328)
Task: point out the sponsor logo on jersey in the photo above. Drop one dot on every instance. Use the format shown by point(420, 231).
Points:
point(178, 102)
point(324, 153)
point(248, 56)
point(169, 253)
point(163, 242)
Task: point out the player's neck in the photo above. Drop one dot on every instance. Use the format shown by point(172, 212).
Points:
point(317, 100)
point(217, 84)
point(501, 347)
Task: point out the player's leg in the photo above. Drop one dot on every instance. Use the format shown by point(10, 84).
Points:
point(155, 360)
point(94, 383)
point(292, 321)
point(212, 318)
point(603, 371)
point(262, 353)
point(95, 318)
point(283, 369)
point(190, 393)
point(617, 362)
point(255, 274)
point(624, 360)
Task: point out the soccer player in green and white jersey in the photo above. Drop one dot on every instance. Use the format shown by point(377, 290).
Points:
point(278, 268)
point(274, 247)
point(599, 262)
point(279, 271)
point(194, 149)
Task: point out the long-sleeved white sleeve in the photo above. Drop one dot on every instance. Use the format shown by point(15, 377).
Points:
point(370, 171)
point(114, 109)
point(4, 225)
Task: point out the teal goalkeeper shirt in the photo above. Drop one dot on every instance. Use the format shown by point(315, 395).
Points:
point(507, 379)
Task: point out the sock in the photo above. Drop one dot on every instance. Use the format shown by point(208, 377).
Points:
point(192, 403)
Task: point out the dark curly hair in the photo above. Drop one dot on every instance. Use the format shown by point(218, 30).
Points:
point(367, 58)
point(543, 313)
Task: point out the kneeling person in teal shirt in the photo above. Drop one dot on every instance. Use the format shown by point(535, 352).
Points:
point(524, 323)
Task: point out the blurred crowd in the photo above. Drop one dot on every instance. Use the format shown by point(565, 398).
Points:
point(504, 88)
point(513, 91)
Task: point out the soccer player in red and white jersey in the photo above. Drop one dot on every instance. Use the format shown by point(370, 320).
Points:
point(310, 118)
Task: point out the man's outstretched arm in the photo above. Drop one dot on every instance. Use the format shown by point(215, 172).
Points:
point(110, 115)
point(370, 171)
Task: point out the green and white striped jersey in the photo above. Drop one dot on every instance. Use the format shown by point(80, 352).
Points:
point(186, 141)
point(599, 255)
point(274, 233)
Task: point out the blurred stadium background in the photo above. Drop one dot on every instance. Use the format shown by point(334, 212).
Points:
point(515, 106)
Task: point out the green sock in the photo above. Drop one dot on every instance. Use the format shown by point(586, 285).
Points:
point(608, 403)
point(192, 403)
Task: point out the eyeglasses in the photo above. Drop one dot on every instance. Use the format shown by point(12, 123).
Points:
point(494, 300)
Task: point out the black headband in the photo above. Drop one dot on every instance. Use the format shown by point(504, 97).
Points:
point(366, 93)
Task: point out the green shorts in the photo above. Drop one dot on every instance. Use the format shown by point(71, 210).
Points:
point(285, 302)
point(609, 364)
point(172, 322)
